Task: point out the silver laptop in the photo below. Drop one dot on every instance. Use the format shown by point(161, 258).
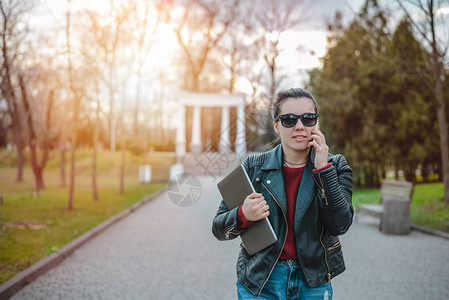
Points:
point(234, 188)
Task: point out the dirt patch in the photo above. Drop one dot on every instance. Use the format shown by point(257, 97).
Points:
point(25, 225)
point(429, 207)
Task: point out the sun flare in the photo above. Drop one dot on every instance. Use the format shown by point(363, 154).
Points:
point(61, 6)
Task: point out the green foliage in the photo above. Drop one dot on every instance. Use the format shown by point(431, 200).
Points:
point(375, 98)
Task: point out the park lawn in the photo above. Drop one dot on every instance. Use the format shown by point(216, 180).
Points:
point(33, 227)
point(426, 209)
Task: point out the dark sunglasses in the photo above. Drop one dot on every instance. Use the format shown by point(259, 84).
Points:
point(290, 120)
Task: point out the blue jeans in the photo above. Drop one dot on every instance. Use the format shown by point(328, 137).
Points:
point(287, 282)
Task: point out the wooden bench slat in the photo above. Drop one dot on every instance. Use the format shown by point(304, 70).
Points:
point(376, 208)
point(399, 190)
point(396, 189)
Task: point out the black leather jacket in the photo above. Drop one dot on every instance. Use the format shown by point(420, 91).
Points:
point(323, 211)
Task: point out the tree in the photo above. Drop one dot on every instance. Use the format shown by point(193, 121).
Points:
point(370, 98)
point(106, 33)
point(350, 88)
point(237, 57)
point(95, 196)
point(11, 39)
point(143, 30)
point(199, 28)
point(40, 82)
point(3, 128)
point(76, 99)
point(428, 32)
point(270, 19)
point(411, 88)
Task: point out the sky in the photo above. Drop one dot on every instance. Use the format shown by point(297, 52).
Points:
point(312, 37)
point(312, 30)
point(301, 48)
point(313, 33)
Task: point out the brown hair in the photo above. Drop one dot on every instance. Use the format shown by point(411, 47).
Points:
point(295, 93)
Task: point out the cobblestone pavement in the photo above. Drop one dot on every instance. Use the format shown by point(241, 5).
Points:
point(163, 251)
point(392, 267)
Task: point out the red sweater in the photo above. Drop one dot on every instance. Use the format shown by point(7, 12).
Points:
point(292, 179)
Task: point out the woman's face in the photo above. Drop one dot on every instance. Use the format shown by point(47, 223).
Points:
point(297, 137)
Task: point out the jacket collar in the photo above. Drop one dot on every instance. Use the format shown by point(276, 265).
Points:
point(306, 188)
point(274, 159)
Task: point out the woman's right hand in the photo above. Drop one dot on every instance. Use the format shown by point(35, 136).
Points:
point(255, 207)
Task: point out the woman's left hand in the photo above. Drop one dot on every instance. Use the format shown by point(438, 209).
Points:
point(318, 141)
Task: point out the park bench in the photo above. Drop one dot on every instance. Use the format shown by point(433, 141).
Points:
point(393, 208)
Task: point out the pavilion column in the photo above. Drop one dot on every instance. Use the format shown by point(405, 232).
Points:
point(196, 130)
point(181, 132)
point(240, 140)
point(225, 140)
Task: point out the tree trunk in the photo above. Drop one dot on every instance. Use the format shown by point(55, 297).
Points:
point(376, 175)
point(369, 176)
point(70, 205)
point(425, 172)
point(145, 146)
point(137, 108)
point(19, 149)
point(410, 174)
point(195, 81)
point(441, 116)
point(17, 138)
point(73, 146)
point(62, 181)
point(72, 173)
point(122, 166)
point(94, 161)
point(442, 124)
point(270, 135)
point(20, 163)
point(37, 167)
point(8, 93)
point(39, 179)
point(37, 170)
point(94, 175)
point(112, 120)
point(75, 111)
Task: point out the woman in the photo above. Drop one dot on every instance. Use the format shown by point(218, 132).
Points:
point(307, 195)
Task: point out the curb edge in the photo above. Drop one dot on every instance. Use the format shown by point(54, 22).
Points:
point(429, 231)
point(16, 283)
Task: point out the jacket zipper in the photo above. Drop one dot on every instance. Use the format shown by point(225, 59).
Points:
point(325, 256)
point(283, 244)
point(335, 246)
point(229, 232)
point(321, 186)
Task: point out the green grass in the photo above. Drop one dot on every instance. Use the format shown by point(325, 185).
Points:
point(426, 209)
point(33, 227)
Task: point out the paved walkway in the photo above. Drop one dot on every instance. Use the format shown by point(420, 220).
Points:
point(163, 251)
